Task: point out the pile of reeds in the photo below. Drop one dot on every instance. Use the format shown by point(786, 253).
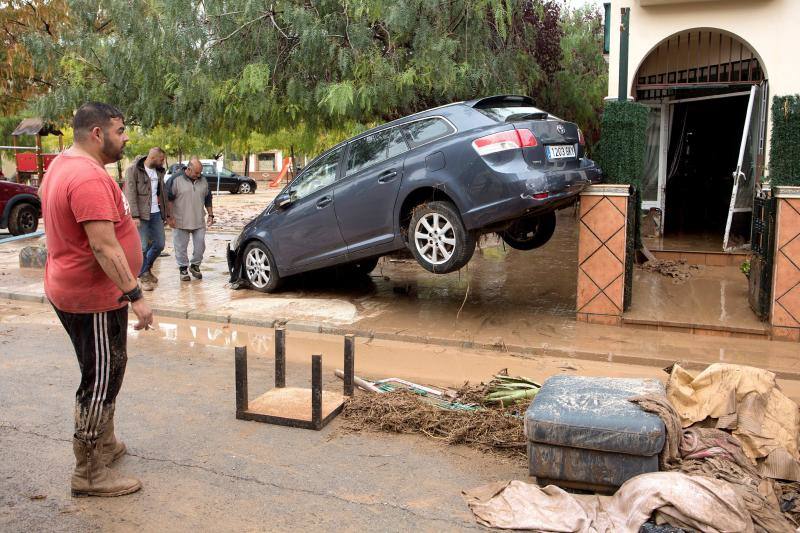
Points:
point(494, 428)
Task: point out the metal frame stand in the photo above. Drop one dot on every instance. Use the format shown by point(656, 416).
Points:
point(318, 419)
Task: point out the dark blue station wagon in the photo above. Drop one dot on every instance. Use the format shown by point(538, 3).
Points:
point(432, 182)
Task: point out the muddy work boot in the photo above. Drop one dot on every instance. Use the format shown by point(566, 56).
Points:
point(184, 274)
point(149, 276)
point(146, 283)
point(92, 478)
point(195, 271)
point(111, 448)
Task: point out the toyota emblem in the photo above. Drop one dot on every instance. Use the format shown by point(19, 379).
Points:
point(561, 129)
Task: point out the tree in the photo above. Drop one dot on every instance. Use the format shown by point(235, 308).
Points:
point(29, 30)
point(317, 70)
point(579, 87)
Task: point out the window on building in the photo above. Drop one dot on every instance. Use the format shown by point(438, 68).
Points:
point(266, 162)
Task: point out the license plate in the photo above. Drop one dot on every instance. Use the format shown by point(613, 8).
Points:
point(561, 151)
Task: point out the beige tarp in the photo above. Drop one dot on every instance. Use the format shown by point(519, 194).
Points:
point(696, 502)
point(748, 402)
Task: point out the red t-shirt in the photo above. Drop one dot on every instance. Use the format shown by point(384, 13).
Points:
point(77, 189)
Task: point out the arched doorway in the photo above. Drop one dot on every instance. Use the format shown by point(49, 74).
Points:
point(706, 90)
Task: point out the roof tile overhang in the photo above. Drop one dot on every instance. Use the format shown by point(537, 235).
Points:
point(35, 126)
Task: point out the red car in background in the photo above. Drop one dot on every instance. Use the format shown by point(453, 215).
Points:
point(20, 208)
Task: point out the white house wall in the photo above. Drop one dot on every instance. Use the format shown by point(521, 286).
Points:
point(771, 29)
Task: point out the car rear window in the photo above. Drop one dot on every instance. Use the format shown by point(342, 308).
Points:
point(509, 112)
point(427, 130)
point(375, 148)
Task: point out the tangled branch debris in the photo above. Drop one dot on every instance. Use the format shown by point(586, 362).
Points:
point(495, 429)
point(679, 271)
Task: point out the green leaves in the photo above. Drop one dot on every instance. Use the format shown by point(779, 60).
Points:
point(784, 152)
point(338, 98)
point(254, 80)
point(507, 390)
point(622, 149)
point(223, 69)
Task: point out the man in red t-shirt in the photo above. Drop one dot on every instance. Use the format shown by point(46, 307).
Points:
point(93, 251)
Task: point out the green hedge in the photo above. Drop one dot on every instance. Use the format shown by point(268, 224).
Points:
point(621, 151)
point(784, 151)
point(623, 141)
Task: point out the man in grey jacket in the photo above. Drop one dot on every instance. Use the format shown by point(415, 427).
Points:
point(188, 194)
point(146, 194)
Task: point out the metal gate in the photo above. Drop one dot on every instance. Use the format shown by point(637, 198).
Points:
point(762, 239)
point(632, 244)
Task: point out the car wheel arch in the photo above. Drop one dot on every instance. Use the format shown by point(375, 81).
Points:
point(21, 198)
point(419, 196)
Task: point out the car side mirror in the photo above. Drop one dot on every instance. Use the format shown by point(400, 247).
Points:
point(283, 200)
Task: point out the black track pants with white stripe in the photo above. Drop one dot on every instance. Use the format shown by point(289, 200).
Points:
point(100, 341)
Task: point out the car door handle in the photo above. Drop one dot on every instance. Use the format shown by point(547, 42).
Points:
point(387, 176)
point(324, 202)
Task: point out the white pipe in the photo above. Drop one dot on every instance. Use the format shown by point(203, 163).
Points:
point(363, 384)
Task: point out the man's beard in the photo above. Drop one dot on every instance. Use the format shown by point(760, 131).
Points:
point(110, 152)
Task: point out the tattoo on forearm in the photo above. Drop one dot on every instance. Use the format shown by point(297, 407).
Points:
point(116, 269)
point(119, 265)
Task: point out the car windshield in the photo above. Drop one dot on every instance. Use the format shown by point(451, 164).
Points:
point(508, 112)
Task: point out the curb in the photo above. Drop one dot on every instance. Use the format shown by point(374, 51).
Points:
point(511, 350)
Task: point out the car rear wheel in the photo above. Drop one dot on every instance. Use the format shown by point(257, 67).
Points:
point(438, 239)
point(244, 188)
point(24, 218)
point(259, 268)
point(531, 232)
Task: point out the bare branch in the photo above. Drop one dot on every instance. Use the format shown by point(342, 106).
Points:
point(103, 26)
point(272, 18)
point(226, 14)
point(242, 27)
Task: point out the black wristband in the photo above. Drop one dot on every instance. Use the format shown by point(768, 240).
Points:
point(132, 295)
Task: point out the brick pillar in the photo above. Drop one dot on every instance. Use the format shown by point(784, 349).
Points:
point(785, 314)
point(601, 254)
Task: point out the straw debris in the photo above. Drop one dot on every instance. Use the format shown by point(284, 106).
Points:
point(494, 429)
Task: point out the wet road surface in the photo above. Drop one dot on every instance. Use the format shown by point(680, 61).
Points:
point(505, 300)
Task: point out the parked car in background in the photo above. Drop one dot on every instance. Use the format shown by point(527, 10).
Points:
point(433, 182)
point(20, 208)
point(228, 180)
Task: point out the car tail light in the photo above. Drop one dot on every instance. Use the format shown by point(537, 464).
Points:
point(581, 139)
point(505, 140)
point(541, 195)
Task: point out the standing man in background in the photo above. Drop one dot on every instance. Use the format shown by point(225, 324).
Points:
point(187, 194)
point(147, 196)
point(93, 253)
